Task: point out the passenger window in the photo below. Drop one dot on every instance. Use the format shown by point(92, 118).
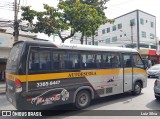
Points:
point(45, 60)
point(56, 61)
point(137, 62)
point(65, 61)
point(88, 61)
point(34, 61)
point(115, 60)
point(39, 60)
point(110, 60)
point(127, 60)
point(73, 61)
point(105, 63)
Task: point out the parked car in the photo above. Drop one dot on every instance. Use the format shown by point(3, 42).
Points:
point(154, 71)
point(157, 89)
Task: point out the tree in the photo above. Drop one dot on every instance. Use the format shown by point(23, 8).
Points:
point(50, 21)
point(99, 5)
point(74, 15)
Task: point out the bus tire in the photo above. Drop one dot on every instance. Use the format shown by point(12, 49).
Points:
point(83, 99)
point(137, 88)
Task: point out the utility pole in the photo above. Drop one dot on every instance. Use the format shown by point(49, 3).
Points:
point(132, 34)
point(16, 23)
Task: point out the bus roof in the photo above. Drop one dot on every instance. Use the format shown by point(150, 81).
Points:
point(78, 46)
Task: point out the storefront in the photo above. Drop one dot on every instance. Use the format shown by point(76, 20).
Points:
point(151, 55)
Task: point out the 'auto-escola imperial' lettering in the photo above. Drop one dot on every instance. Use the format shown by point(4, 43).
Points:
point(81, 74)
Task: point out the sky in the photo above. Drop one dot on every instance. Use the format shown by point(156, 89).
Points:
point(114, 9)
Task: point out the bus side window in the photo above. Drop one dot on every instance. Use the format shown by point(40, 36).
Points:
point(45, 60)
point(138, 62)
point(115, 61)
point(88, 61)
point(105, 61)
point(34, 61)
point(56, 61)
point(127, 60)
point(74, 62)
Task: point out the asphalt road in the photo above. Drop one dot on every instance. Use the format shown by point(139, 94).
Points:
point(145, 101)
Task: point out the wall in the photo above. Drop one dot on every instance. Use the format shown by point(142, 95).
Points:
point(146, 27)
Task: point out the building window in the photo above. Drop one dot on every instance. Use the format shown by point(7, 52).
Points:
point(143, 34)
point(96, 43)
point(120, 35)
point(114, 28)
point(103, 31)
point(152, 25)
point(153, 47)
point(144, 45)
point(108, 30)
point(108, 40)
point(132, 22)
point(114, 39)
point(142, 21)
point(151, 36)
point(119, 26)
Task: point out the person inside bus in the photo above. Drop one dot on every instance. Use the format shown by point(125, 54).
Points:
point(129, 63)
point(115, 62)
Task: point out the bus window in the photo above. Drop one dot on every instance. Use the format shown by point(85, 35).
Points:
point(137, 61)
point(34, 60)
point(73, 61)
point(98, 60)
point(88, 61)
point(14, 57)
point(45, 60)
point(106, 60)
point(110, 60)
point(39, 60)
point(115, 60)
point(56, 61)
point(127, 60)
point(65, 61)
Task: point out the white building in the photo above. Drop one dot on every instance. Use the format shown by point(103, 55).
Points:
point(136, 27)
point(6, 43)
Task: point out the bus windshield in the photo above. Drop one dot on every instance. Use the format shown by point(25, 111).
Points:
point(13, 57)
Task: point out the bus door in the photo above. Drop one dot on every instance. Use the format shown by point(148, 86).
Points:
point(127, 72)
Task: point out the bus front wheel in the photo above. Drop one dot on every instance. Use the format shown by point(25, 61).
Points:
point(83, 99)
point(137, 88)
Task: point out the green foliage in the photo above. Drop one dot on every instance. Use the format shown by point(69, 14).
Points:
point(83, 16)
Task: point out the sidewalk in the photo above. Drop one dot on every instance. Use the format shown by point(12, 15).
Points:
point(2, 88)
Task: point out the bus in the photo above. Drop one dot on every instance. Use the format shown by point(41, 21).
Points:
point(43, 73)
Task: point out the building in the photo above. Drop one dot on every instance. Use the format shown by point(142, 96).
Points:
point(6, 43)
point(136, 29)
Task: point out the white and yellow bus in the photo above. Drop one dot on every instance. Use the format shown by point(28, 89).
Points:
point(42, 73)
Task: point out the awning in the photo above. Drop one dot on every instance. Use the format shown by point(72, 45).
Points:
point(147, 52)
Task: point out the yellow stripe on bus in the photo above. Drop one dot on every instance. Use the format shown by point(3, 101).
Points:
point(83, 73)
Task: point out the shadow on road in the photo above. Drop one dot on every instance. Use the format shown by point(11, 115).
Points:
point(154, 104)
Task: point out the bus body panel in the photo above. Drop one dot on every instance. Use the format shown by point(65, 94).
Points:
point(140, 75)
point(61, 87)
